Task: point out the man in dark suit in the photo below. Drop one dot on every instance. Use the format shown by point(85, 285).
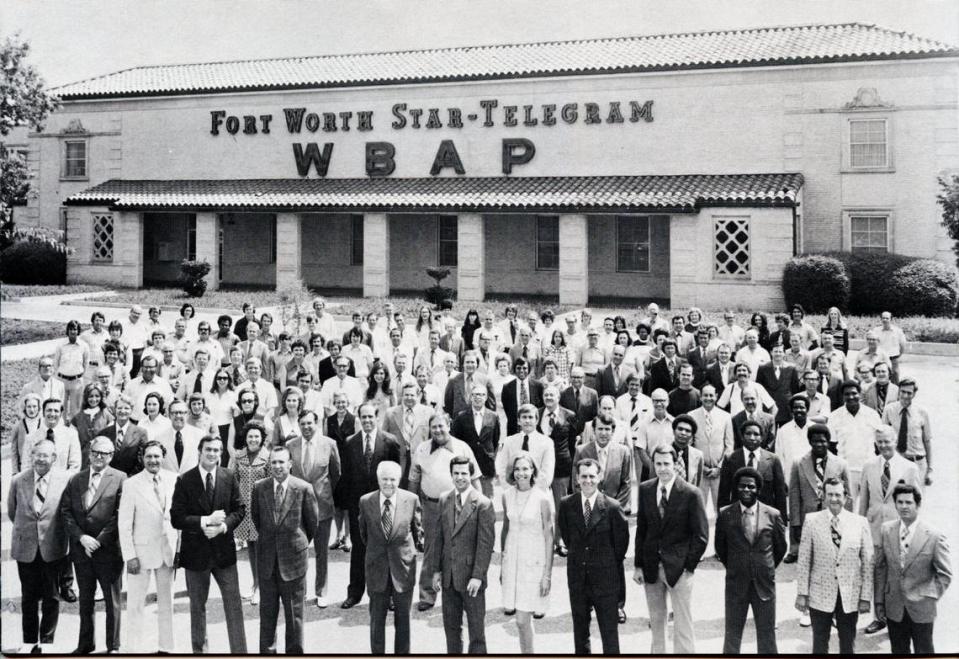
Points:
point(773, 486)
point(89, 508)
point(479, 428)
point(461, 556)
point(719, 373)
point(750, 543)
point(39, 543)
point(127, 437)
point(527, 350)
point(456, 396)
point(697, 358)
point(671, 537)
point(611, 381)
point(751, 411)
point(582, 400)
point(285, 514)
point(520, 391)
point(664, 374)
point(595, 531)
point(364, 451)
point(781, 381)
point(389, 529)
point(557, 423)
point(207, 508)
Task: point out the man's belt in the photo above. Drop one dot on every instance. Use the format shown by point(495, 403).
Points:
point(69, 377)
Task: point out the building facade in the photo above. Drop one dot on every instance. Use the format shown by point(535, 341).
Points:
point(686, 168)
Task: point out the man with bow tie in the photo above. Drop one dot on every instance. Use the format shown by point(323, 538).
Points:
point(750, 543)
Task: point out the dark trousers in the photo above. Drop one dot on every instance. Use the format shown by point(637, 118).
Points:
point(198, 588)
point(40, 598)
point(224, 437)
point(357, 557)
point(108, 575)
point(581, 600)
point(455, 603)
point(430, 520)
point(135, 366)
point(822, 628)
point(66, 574)
point(904, 633)
point(738, 601)
point(273, 590)
point(379, 604)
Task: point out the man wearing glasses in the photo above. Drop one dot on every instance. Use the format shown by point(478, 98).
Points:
point(89, 510)
point(345, 383)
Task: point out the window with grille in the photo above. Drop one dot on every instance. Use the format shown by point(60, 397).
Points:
point(869, 233)
point(868, 143)
point(731, 250)
point(547, 242)
point(356, 240)
point(632, 243)
point(448, 240)
point(75, 159)
point(102, 237)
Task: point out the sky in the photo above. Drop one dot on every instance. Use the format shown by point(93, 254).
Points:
point(76, 39)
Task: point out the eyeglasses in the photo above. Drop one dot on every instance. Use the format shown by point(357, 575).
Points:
point(101, 454)
point(223, 377)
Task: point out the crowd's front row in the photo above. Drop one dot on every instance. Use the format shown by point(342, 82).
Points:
point(164, 521)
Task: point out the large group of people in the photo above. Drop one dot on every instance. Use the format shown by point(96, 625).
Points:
point(386, 442)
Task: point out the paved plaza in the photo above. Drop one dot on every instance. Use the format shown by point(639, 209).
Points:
point(333, 630)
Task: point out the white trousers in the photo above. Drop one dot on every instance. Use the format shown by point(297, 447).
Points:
point(136, 632)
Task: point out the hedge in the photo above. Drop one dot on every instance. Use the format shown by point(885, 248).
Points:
point(870, 278)
point(926, 288)
point(30, 262)
point(817, 282)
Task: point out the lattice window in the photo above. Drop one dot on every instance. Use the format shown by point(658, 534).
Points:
point(731, 256)
point(102, 237)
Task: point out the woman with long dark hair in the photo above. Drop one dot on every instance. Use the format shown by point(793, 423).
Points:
point(221, 401)
point(91, 419)
point(379, 392)
point(760, 322)
point(470, 325)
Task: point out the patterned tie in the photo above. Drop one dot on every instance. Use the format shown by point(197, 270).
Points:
point(119, 438)
point(616, 376)
point(903, 546)
point(885, 478)
point(752, 460)
point(602, 460)
point(633, 413)
point(587, 512)
point(680, 465)
point(41, 495)
point(209, 488)
point(277, 502)
point(526, 442)
point(368, 452)
point(156, 491)
point(834, 531)
point(552, 422)
point(903, 443)
point(819, 467)
point(92, 490)
point(709, 425)
point(663, 500)
point(459, 508)
point(408, 424)
point(523, 393)
point(178, 448)
point(387, 520)
point(748, 527)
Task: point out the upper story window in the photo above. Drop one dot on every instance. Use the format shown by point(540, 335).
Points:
point(868, 143)
point(74, 159)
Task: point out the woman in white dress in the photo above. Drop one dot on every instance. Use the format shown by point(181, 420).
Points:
point(360, 353)
point(527, 545)
point(499, 377)
point(424, 325)
point(155, 423)
point(221, 402)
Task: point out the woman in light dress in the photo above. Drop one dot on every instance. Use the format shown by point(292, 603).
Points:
point(155, 423)
point(248, 466)
point(221, 402)
point(559, 352)
point(359, 353)
point(499, 377)
point(287, 425)
point(29, 421)
point(527, 545)
point(424, 325)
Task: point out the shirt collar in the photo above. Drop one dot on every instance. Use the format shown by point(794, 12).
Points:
point(592, 500)
point(391, 499)
point(207, 471)
point(448, 445)
point(753, 508)
point(37, 477)
point(668, 486)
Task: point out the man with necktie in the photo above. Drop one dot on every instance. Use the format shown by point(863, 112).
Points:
point(528, 439)
point(284, 512)
point(557, 423)
point(458, 388)
point(671, 537)
point(633, 407)
point(39, 544)
point(773, 490)
point(750, 543)
point(207, 508)
point(149, 545)
point(364, 451)
point(89, 508)
point(127, 437)
point(182, 441)
point(479, 428)
point(689, 459)
point(714, 438)
point(579, 398)
point(913, 431)
point(63, 435)
point(834, 580)
point(518, 392)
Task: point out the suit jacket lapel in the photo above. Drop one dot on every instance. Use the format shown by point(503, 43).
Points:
point(287, 501)
point(599, 510)
point(810, 470)
point(919, 538)
point(146, 486)
point(104, 479)
point(468, 509)
point(30, 491)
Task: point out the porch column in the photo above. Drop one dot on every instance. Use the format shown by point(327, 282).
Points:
point(289, 249)
point(207, 243)
point(128, 250)
point(470, 258)
point(376, 255)
point(573, 260)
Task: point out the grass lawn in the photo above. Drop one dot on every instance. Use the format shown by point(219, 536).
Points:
point(13, 332)
point(8, 291)
point(13, 376)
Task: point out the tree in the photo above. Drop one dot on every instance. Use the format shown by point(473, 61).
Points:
point(23, 102)
point(948, 198)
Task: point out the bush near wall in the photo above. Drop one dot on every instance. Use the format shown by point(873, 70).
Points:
point(870, 278)
point(30, 262)
point(926, 288)
point(817, 282)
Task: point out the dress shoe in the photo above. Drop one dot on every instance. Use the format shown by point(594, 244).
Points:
point(336, 544)
point(349, 603)
point(67, 595)
point(622, 617)
point(347, 547)
point(791, 558)
point(83, 651)
point(508, 612)
point(805, 620)
point(321, 602)
point(254, 597)
point(424, 606)
point(539, 616)
point(391, 605)
point(562, 551)
point(36, 649)
point(875, 626)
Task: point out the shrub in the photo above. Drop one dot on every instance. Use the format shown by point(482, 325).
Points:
point(192, 275)
point(926, 287)
point(295, 303)
point(870, 275)
point(32, 262)
point(439, 295)
point(817, 282)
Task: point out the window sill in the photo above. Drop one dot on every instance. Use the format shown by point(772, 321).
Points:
point(867, 170)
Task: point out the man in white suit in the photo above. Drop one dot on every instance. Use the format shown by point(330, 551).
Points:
point(714, 438)
point(835, 570)
point(149, 544)
point(181, 440)
point(880, 476)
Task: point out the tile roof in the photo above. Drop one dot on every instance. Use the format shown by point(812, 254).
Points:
point(531, 194)
point(806, 44)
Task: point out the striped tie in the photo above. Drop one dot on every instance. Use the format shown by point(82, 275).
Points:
point(633, 414)
point(40, 495)
point(834, 531)
point(387, 519)
point(92, 490)
point(885, 478)
point(663, 500)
